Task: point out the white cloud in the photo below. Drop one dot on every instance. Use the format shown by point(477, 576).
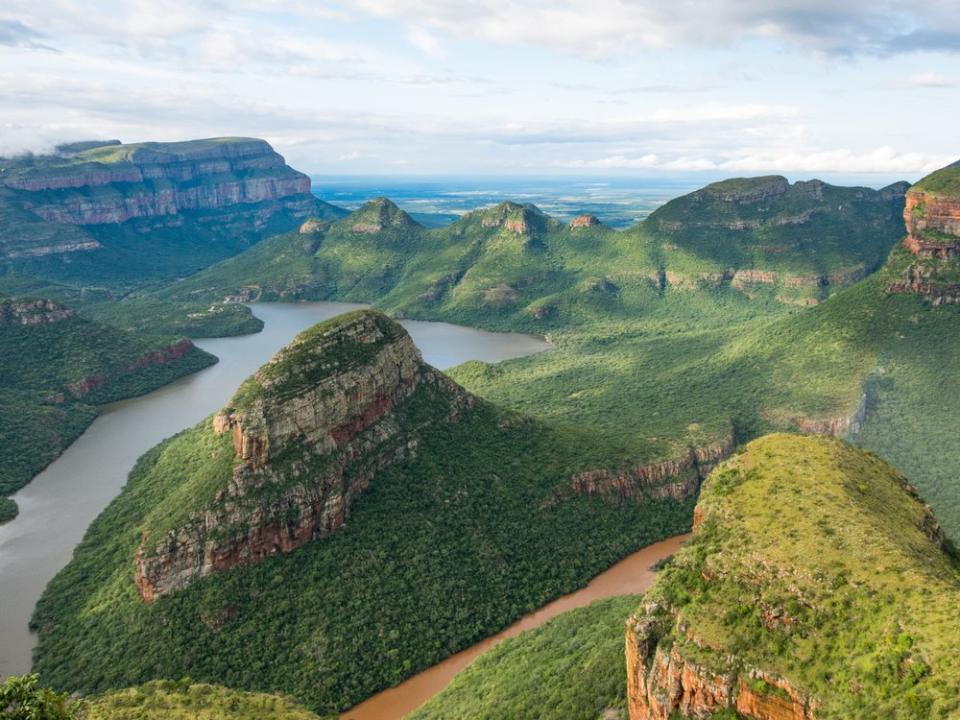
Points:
point(603, 27)
point(883, 160)
point(929, 80)
point(425, 41)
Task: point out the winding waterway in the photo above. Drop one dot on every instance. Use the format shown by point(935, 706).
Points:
point(58, 506)
point(633, 574)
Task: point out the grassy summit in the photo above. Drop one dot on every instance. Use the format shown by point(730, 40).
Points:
point(815, 566)
point(944, 182)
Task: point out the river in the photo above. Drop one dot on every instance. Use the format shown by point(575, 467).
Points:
point(60, 503)
point(633, 574)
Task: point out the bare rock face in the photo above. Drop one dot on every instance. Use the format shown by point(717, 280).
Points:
point(663, 684)
point(933, 225)
point(309, 431)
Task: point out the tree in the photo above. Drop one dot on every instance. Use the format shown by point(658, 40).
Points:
point(21, 698)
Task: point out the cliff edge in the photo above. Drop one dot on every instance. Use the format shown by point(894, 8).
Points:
point(817, 585)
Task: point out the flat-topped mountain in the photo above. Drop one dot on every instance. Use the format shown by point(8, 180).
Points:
point(817, 585)
point(308, 432)
point(79, 214)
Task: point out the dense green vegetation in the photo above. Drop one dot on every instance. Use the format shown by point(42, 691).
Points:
point(8, 509)
point(184, 700)
point(193, 320)
point(572, 668)
point(513, 265)
point(54, 373)
point(22, 698)
point(439, 552)
point(816, 562)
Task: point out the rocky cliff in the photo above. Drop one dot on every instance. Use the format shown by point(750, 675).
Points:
point(932, 219)
point(812, 588)
point(307, 433)
point(678, 478)
point(119, 182)
point(236, 184)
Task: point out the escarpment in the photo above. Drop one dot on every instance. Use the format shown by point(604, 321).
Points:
point(932, 218)
point(307, 433)
point(780, 606)
point(60, 204)
point(676, 478)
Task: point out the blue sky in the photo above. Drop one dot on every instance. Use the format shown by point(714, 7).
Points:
point(499, 86)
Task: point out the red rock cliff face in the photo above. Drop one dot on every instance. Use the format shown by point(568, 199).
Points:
point(663, 684)
point(928, 219)
point(162, 182)
point(302, 458)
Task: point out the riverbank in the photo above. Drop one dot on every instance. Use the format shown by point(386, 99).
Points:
point(634, 574)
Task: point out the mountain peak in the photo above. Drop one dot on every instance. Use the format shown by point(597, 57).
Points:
point(513, 217)
point(299, 441)
point(584, 221)
point(747, 190)
point(377, 215)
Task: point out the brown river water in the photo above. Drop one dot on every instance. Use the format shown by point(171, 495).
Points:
point(61, 502)
point(633, 574)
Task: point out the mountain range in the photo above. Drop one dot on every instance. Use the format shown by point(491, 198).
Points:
point(352, 515)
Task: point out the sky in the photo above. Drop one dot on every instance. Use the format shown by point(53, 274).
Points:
point(487, 87)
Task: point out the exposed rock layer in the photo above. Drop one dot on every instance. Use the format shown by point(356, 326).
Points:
point(677, 478)
point(309, 432)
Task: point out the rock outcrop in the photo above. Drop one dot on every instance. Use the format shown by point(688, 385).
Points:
point(33, 312)
point(585, 221)
point(524, 220)
point(676, 478)
point(932, 219)
point(309, 431)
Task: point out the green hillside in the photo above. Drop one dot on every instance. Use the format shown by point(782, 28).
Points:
point(56, 367)
point(572, 668)
point(513, 264)
point(183, 700)
point(816, 578)
point(442, 548)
